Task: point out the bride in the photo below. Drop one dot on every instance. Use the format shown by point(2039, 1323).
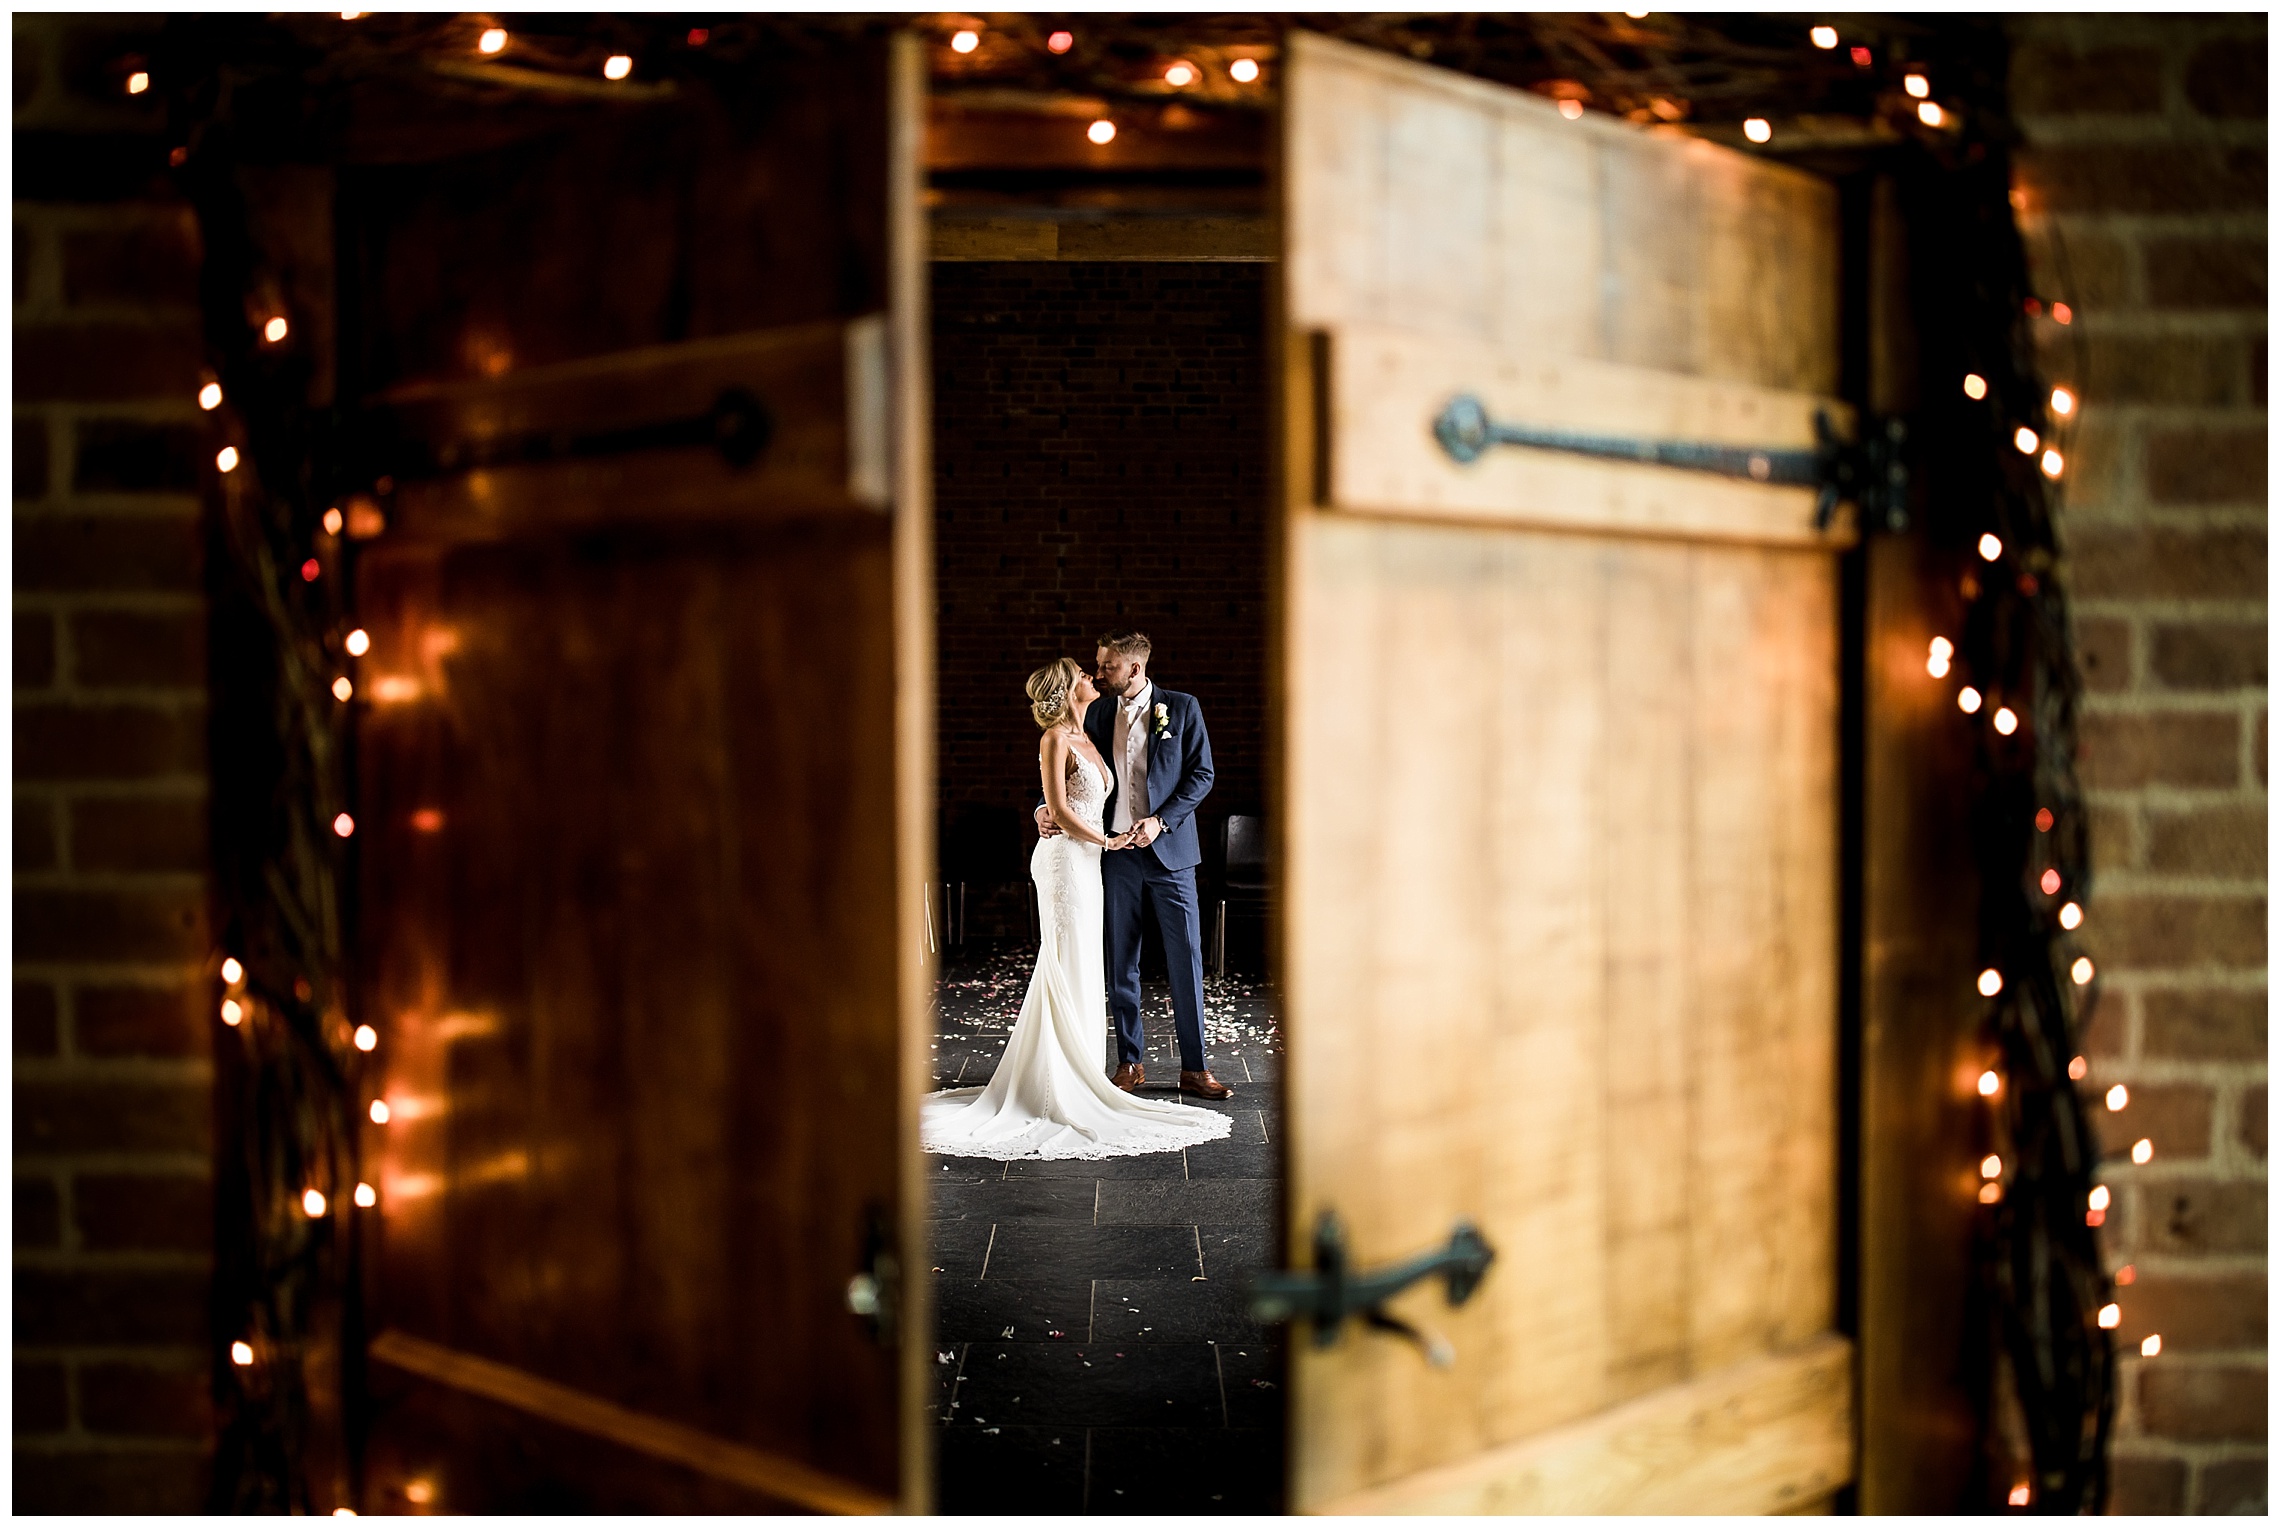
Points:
point(1050, 1097)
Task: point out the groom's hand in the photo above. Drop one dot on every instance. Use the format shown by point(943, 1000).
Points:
point(1046, 826)
point(1147, 832)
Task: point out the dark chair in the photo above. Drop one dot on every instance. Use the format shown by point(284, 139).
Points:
point(1243, 881)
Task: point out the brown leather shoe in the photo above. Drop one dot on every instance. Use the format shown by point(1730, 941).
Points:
point(1129, 1077)
point(1204, 1085)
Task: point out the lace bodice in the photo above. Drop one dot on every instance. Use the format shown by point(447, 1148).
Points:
point(1088, 790)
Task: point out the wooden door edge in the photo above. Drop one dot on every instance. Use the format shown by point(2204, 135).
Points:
point(739, 1464)
point(1768, 1434)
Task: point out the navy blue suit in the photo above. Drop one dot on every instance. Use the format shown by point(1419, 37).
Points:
point(1179, 777)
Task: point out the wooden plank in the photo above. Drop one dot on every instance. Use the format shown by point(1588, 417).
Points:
point(1053, 136)
point(1234, 237)
point(802, 377)
point(1388, 384)
point(774, 1475)
point(1769, 1434)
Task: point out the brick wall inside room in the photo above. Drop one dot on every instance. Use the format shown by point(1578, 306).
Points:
point(113, 1230)
point(1100, 449)
point(2142, 192)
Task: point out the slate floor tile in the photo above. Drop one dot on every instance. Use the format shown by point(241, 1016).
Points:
point(1234, 1252)
point(999, 1469)
point(1159, 1164)
point(956, 1248)
point(1220, 1201)
point(1253, 1376)
point(1096, 1252)
point(1003, 1198)
point(1174, 1310)
point(1032, 1307)
point(1008, 1384)
point(1232, 1159)
point(1186, 1470)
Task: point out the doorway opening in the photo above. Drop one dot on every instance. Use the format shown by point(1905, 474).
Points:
point(1101, 461)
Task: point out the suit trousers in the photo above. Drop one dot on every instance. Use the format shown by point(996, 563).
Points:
point(1131, 881)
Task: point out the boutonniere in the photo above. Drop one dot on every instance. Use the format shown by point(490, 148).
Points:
point(1163, 720)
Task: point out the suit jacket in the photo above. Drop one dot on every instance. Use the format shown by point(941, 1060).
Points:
point(1179, 772)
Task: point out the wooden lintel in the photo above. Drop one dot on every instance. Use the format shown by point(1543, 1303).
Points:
point(1242, 238)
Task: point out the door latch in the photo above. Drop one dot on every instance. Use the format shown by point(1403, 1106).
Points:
point(875, 1293)
point(1333, 1291)
point(1870, 474)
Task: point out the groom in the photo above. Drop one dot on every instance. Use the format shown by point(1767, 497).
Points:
point(1159, 761)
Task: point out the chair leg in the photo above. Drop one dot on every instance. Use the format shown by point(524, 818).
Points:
point(1219, 941)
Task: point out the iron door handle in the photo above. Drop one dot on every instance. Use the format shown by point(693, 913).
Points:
point(1333, 1291)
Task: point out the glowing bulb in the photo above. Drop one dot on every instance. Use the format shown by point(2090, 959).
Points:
point(1990, 546)
point(1571, 109)
point(419, 1491)
point(1757, 130)
point(344, 825)
point(1942, 648)
point(232, 972)
point(1967, 701)
point(226, 459)
point(699, 36)
point(332, 522)
point(1180, 75)
point(1991, 1166)
point(617, 67)
point(1974, 385)
point(2006, 720)
point(1937, 665)
point(313, 1204)
point(2043, 819)
point(1244, 70)
point(492, 41)
point(2021, 1494)
point(379, 1111)
point(344, 1512)
point(366, 1037)
point(1062, 42)
point(275, 330)
point(1636, 15)
point(2117, 1098)
point(366, 1196)
point(2052, 463)
point(1824, 37)
point(2078, 1068)
point(232, 1011)
point(342, 689)
point(2070, 916)
point(1990, 982)
point(352, 15)
point(2100, 1197)
point(1917, 86)
point(2026, 440)
point(1989, 1085)
point(311, 571)
point(358, 642)
point(1929, 114)
point(1990, 1193)
point(1101, 131)
point(2126, 1275)
point(137, 82)
point(965, 42)
point(2049, 882)
point(241, 1354)
point(2151, 1347)
point(2142, 1153)
point(2061, 401)
point(2109, 1316)
point(2062, 313)
point(2083, 971)
point(210, 396)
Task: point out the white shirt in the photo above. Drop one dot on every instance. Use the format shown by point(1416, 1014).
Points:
point(1130, 760)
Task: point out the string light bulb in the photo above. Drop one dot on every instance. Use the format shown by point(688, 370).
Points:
point(313, 1204)
point(275, 330)
point(358, 642)
point(1990, 1193)
point(1968, 701)
point(2117, 1098)
point(2043, 819)
point(138, 82)
point(1937, 660)
point(379, 1111)
point(241, 1354)
point(1929, 113)
point(2109, 1316)
point(232, 972)
point(1062, 42)
point(1758, 130)
point(2006, 720)
point(2101, 1196)
point(226, 459)
point(366, 1196)
point(2126, 1275)
point(1990, 1083)
point(1991, 1166)
point(2021, 1495)
point(2050, 882)
point(233, 1012)
point(1102, 131)
point(344, 826)
point(1990, 982)
point(1181, 74)
point(1571, 108)
point(2070, 916)
point(617, 67)
point(210, 396)
point(2142, 1152)
point(2078, 1068)
point(367, 1038)
point(965, 42)
point(1974, 386)
point(2026, 440)
point(342, 689)
point(1916, 85)
point(493, 40)
point(2151, 1347)
point(2061, 313)
point(2061, 401)
point(1824, 38)
point(1990, 547)
point(1244, 70)
point(2082, 971)
point(332, 521)
point(2053, 464)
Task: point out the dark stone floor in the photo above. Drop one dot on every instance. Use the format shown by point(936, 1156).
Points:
point(1092, 1349)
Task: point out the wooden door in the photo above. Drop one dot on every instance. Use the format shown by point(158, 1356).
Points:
point(1558, 811)
point(644, 770)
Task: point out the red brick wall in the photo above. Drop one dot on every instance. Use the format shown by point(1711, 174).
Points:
point(2142, 192)
point(113, 1079)
point(1100, 440)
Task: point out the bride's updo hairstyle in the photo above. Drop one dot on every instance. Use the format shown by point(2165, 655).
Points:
point(1049, 691)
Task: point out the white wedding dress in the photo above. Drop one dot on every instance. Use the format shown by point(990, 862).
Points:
point(1050, 1097)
